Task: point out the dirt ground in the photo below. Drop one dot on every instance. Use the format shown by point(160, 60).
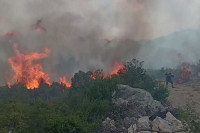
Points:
point(187, 93)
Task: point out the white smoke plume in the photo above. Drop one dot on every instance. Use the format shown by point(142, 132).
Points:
point(89, 34)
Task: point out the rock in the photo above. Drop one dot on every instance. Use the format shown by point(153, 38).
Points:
point(135, 111)
point(162, 125)
point(144, 123)
point(134, 102)
point(144, 132)
point(132, 129)
point(108, 125)
point(176, 123)
point(127, 121)
point(120, 101)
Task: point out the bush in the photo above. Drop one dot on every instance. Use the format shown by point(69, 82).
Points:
point(137, 77)
point(160, 93)
point(190, 119)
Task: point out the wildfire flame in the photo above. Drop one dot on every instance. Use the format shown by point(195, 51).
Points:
point(98, 74)
point(186, 71)
point(9, 84)
point(26, 73)
point(93, 76)
point(116, 68)
point(31, 74)
point(63, 82)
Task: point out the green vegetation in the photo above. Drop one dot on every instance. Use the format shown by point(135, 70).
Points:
point(80, 109)
point(136, 76)
point(190, 119)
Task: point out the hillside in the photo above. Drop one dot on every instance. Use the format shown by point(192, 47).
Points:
point(163, 51)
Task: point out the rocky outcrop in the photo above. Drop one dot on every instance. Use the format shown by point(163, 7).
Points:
point(135, 102)
point(132, 109)
point(143, 125)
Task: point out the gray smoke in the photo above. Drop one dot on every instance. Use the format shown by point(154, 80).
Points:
point(86, 35)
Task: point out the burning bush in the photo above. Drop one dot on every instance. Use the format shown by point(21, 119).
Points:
point(186, 73)
point(26, 73)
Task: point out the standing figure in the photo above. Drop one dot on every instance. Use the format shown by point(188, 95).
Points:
point(169, 77)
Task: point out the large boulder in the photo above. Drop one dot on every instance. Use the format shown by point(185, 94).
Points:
point(135, 102)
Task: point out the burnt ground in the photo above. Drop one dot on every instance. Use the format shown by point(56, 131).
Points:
point(187, 93)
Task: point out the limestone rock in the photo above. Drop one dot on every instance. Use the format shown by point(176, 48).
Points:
point(132, 129)
point(176, 123)
point(144, 132)
point(144, 123)
point(162, 125)
point(135, 102)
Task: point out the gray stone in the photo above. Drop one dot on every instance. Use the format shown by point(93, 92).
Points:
point(120, 101)
point(144, 123)
point(108, 125)
point(132, 129)
point(144, 132)
point(176, 123)
point(162, 125)
point(135, 102)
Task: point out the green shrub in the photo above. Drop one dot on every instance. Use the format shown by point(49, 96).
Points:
point(190, 119)
point(136, 76)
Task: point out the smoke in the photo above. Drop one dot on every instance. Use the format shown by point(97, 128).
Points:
point(176, 32)
point(85, 35)
point(164, 51)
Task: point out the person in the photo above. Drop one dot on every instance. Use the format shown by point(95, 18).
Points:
point(169, 77)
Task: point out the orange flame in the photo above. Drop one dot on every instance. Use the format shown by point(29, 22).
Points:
point(63, 81)
point(93, 76)
point(9, 84)
point(186, 74)
point(29, 74)
point(186, 71)
point(116, 68)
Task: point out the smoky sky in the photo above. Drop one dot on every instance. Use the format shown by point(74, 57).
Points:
point(90, 34)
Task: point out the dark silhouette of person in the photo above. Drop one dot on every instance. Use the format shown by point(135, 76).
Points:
point(169, 77)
